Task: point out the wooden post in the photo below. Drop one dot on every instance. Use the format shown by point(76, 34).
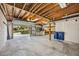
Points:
point(35, 30)
point(49, 31)
point(30, 28)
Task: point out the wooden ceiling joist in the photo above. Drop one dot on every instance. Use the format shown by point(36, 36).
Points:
point(41, 8)
point(29, 13)
point(46, 10)
point(3, 10)
point(30, 16)
point(26, 14)
point(37, 7)
point(47, 13)
point(7, 11)
point(14, 10)
point(32, 7)
point(18, 15)
point(21, 10)
point(43, 11)
point(69, 10)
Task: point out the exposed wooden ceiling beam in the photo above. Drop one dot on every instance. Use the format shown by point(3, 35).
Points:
point(18, 15)
point(73, 8)
point(2, 8)
point(54, 9)
point(30, 13)
point(47, 13)
point(44, 11)
point(3, 11)
point(37, 7)
point(41, 8)
point(13, 15)
point(32, 7)
point(26, 14)
point(6, 8)
point(39, 16)
point(54, 12)
point(29, 17)
point(14, 10)
point(21, 10)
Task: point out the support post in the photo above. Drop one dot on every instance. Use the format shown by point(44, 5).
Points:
point(49, 30)
point(10, 30)
point(30, 30)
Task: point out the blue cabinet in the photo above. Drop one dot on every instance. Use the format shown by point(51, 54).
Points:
point(55, 35)
point(59, 35)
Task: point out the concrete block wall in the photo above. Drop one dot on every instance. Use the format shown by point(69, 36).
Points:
point(3, 30)
point(70, 27)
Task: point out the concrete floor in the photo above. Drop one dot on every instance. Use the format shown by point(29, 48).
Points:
point(38, 46)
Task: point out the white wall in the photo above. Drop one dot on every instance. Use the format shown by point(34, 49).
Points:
point(70, 27)
point(3, 30)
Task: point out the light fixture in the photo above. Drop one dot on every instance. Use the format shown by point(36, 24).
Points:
point(31, 19)
point(28, 19)
point(62, 5)
point(35, 19)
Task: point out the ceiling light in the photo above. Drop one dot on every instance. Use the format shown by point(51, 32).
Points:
point(62, 5)
point(28, 19)
point(36, 19)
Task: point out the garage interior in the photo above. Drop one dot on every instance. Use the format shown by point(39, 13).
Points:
point(39, 29)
